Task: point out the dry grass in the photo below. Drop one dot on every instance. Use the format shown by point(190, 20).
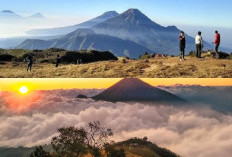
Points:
point(169, 67)
point(132, 152)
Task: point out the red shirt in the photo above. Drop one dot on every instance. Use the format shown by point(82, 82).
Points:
point(217, 39)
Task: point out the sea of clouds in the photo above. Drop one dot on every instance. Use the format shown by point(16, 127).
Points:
point(198, 132)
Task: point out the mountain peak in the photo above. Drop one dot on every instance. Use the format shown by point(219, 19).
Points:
point(132, 82)
point(133, 11)
point(136, 17)
point(107, 15)
point(37, 15)
point(135, 90)
point(110, 13)
point(8, 11)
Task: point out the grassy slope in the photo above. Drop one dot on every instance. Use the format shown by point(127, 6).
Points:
point(158, 67)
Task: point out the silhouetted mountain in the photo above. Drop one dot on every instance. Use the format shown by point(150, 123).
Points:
point(135, 90)
point(81, 96)
point(135, 26)
point(86, 39)
point(38, 15)
point(68, 29)
point(8, 12)
point(5, 14)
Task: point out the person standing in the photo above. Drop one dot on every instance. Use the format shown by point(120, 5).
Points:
point(29, 60)
point(182, 43)
point(58, 60)
point(199, 44)
point(217, 41)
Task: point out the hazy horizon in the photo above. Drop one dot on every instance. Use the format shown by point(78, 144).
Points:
point(19, 29)
point(188, 15)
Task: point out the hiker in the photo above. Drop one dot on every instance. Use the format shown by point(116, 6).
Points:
point(79, 61)
point(199, 44)
point(182, 45)
point(58, 60)
point(29, 61)
point(217, 41)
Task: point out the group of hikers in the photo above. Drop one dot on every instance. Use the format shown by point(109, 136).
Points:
point(199, 44)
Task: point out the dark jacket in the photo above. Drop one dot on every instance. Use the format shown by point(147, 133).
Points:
point(29, 60)
point(182, 42)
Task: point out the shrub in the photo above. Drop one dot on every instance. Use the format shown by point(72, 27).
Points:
point(54, 49)
point(192, 53)
point(230, 57)
point(6, 57)
point(87, 56)
point(37, 50)
point(223, 55)
point(39, 152)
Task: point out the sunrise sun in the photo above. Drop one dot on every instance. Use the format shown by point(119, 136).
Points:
point(23, 90)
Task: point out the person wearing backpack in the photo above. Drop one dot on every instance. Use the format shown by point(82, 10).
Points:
point(182, 43)
point(199, 44)
point(216, 42)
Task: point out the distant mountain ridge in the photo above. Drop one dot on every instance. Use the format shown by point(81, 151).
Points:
point(87, 39)
point(69, 29)
point(10, 15)
point(38, 15)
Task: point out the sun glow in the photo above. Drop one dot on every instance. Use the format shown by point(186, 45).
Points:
point(23, 90)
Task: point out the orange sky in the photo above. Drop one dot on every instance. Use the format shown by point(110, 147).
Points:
point(55, 83)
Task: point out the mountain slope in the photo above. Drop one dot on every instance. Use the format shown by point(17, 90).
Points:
point(87, 39)
point(68, 29)
point(135, 90)
point(135, 26)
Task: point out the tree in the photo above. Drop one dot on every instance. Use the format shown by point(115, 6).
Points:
point(39, 152)
point(97, 137)
point(70, 142)
point(73, 141)
point(145, 138)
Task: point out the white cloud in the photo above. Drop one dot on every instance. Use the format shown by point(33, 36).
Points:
point(198, 133)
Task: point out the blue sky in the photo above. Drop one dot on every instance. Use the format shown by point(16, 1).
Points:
point(167, 12)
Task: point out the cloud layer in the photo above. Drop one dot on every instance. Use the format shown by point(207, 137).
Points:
point(192, 132)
